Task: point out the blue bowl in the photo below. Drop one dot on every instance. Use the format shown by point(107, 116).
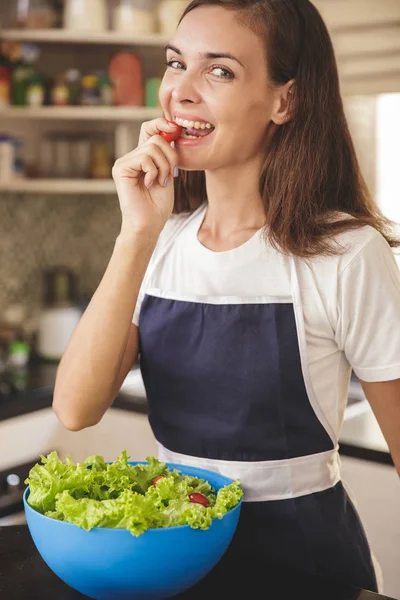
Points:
point(112, 564)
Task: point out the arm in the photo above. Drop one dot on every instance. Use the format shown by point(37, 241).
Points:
point(384, 398)
point(105, 344)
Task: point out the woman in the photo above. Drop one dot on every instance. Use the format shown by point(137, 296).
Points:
point(258, 277)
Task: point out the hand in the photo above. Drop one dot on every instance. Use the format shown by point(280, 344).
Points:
point(144, 180)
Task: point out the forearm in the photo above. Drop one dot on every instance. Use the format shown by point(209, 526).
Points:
point(384, 398)
point(90, 365)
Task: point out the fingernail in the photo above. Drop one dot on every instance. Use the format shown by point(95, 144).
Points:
point(176, 172)
point(166, 182)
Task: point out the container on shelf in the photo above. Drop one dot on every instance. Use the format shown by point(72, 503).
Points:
point(7, 158)
point(46, 157)
point(90, 91)
point(134, 16)
point(126, 72)
point(73, 80)
point(21, 73)
point(62, 156)
point(169, 13)
point(33, 14)
point(60, 92)
point(100, 160)
point(5, 86)
point(35, 91)
point(81, 157)
point(152, 92)
point(86, 15)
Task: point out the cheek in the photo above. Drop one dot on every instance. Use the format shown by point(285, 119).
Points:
point(164, 94)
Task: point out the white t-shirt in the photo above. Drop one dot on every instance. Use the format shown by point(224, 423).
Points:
point(351, 301)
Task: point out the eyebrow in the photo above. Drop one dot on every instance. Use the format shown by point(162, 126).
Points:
point(206, 55)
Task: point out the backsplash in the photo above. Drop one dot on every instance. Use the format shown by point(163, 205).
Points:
point(40, 232)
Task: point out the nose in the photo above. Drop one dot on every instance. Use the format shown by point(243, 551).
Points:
point(185, 90)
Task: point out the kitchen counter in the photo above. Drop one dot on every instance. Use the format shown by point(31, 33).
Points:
point(25, 576)
point(361, 436)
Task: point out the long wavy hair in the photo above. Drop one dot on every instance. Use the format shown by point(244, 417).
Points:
point(310, 172)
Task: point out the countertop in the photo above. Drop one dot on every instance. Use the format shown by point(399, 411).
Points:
point(25, 576)
point(361, 436)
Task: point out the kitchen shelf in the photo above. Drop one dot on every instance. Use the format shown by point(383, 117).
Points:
point(112, 38)
point(60, 186)
point(82, 113)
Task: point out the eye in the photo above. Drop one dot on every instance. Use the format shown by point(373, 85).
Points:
point(223, 73)
point(172, 64)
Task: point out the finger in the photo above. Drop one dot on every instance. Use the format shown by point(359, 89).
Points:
point(168, 151)
point(150, 170)
point(136, 167)
point(151, 128)
point(161, 160)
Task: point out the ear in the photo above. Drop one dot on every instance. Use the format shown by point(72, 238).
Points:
point(284, 103)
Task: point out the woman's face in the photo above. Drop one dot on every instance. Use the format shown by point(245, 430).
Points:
point(217, 75)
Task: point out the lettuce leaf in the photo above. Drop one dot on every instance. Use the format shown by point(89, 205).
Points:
point(94, 493)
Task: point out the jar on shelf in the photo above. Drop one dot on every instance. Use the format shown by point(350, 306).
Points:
point(60, 92)
point(136, 17)
point(169, 14)
point(100, 160)
point(90, 92)
point(33, 14)
point(35, 91)
point(85, 15)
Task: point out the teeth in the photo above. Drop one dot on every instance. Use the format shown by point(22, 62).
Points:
point(186, 136)
point(193, 124)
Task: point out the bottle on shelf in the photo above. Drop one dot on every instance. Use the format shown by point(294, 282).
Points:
point(5, 86)
point(73, 80)
point(60, 92)
point(35, 91)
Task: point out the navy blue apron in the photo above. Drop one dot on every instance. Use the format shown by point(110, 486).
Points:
point(228, 389)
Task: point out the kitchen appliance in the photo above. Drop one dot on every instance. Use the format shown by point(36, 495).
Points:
point(60, 314)
point(12, 489)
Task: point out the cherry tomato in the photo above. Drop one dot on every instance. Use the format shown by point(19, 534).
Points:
point(198, 499)
point(173, 135)
point(158, 479)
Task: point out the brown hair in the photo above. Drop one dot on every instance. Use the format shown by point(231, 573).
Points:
point(310, 170)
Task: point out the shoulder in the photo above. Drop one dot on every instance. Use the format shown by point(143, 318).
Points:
point(360, 245)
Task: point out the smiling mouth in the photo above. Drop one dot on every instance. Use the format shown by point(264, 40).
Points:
point(194, 130)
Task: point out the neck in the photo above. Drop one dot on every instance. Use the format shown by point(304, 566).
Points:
point(234, 202)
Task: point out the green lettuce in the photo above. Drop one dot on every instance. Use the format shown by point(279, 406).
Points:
point(119, 495)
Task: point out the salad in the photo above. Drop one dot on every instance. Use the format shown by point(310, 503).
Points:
point(119, 495)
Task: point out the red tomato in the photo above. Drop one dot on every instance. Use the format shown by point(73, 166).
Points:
point(173, 135)
point(158, 479)
point(198, 499)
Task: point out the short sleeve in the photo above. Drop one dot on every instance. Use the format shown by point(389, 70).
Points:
point(369, 312)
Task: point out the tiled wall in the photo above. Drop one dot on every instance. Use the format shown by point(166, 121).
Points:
point(39, 232)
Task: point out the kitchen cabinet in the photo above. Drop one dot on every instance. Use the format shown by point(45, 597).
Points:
point(376, 491)
point(25, 437)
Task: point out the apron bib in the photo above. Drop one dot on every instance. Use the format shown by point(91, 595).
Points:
point(228, 389)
